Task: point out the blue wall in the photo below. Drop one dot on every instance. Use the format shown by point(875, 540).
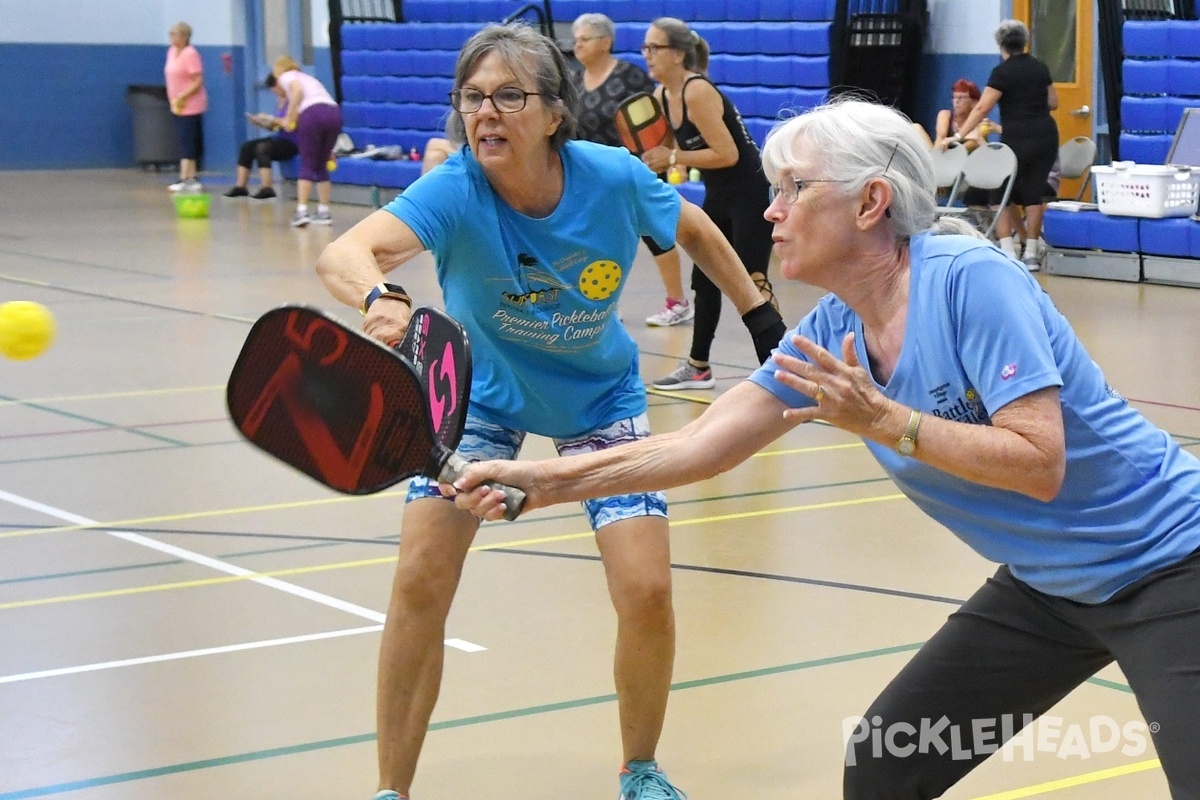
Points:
point(62, 106)
point(940, 71)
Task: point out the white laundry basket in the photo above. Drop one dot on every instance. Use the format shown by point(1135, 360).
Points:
point(1147, 190)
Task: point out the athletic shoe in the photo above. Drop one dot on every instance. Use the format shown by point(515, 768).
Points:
point(301, 219)
point(645, 780)
point(388, 794)
point(265, 193)
point(1032, 257)
point(686, 376)
point(238, 191)
point(322, 218)
point(675, 312)
point(177, 186)
point(191, 186)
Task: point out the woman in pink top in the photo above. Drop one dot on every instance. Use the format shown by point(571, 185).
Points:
point(185, 89)
point(317, 120)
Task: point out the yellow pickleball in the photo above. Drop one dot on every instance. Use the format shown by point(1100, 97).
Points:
point(331, 165)
point(26, 329)
point(600, 279)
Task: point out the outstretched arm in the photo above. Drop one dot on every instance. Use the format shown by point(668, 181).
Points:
point(740, 423)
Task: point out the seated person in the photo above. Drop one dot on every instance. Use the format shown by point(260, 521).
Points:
point(280, 147)
point(964, 94)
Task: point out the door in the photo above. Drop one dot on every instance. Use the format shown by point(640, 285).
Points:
point(1062, 34)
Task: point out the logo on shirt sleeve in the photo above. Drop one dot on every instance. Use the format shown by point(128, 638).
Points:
point(1008, 371)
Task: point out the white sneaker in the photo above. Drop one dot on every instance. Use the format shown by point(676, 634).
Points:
point(192, 186)
point(322, 218)
point(178, 186)
point(1032, 258)
point(675, 312)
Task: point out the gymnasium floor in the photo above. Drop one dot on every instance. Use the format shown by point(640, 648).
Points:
point(181, 617)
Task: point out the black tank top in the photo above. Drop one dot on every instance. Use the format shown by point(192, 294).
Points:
point(746, 174)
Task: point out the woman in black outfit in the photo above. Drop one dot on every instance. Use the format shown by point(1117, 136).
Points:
point(1023, 87)
point(708, 134)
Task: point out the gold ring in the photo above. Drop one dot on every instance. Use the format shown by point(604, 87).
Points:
point(820, 393)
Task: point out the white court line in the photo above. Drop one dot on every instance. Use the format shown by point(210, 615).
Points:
point(207, 651)
point(216, 564)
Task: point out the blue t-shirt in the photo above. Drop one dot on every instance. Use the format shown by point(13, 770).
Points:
point(981, 333)
point(538, 297)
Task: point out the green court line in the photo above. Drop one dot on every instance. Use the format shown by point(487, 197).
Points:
point(391, 539)
point(481, 719)
point(94, 421)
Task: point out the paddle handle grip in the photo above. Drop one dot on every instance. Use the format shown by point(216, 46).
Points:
point(514, 498)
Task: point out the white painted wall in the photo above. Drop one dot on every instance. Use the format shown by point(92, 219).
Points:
point(965, 26)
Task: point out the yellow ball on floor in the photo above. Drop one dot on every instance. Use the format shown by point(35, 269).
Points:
point(26, 329)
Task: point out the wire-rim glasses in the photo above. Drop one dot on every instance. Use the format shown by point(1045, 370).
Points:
point(507, 100)
point(791, 187)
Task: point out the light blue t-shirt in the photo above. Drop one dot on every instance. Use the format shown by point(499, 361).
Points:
point(981, 333)
point(538, 297)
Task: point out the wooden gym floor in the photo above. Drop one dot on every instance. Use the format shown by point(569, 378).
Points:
point(181, 617)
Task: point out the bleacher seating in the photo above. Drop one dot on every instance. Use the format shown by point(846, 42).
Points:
point(1161, 77)
point(767, 55)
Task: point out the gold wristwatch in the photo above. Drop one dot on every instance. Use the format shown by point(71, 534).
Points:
point(908, 442)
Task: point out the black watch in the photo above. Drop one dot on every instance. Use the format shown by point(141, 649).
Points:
point(385, 290)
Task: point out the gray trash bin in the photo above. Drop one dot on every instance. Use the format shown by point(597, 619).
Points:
point(155, 141)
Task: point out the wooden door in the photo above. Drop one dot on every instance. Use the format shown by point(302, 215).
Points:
point(1062, 37)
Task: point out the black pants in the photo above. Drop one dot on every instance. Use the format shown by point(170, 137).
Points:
point(739, 215)
point(1008, 655)
point(266, 150)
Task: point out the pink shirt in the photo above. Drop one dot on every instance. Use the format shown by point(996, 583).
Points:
point(312, 91)
point(183, 67)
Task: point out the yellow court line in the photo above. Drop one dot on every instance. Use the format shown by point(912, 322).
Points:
point(370, 562)
point(111, 395)
point(1078, 780)
point(219, 512)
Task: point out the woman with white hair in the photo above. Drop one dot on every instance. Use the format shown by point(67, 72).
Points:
point(973, 393)
point(1024, 89)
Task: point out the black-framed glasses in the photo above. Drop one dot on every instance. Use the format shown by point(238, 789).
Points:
point(507, 100)
point(652, 49)
point(791, 187)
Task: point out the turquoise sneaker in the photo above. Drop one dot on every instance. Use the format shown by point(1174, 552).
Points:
point(645, 780)
point(388, 794)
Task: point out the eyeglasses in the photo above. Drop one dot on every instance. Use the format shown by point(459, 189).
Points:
point(652, 49)
point(791, 187)
point(587, 38)
point(508, 100)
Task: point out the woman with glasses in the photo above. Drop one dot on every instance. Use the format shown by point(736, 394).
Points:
point(973, 393)
point(708, 133)
point(604, 82)
point(533, 234)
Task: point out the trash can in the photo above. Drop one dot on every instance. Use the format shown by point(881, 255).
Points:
point(155, 141)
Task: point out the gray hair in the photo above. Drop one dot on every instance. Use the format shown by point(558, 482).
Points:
point(184, 29)
point(527, 53)
point(1012, 36)
point(682, 38)
point(602, 25)
point(855, 142)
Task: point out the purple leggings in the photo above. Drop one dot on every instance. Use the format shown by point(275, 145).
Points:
point(317, 130)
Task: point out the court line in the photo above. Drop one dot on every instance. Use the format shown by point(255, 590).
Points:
point(276, 752)
point(103, 425)
point(58, 287)
point(70, 398)
point(232, 570)
point(206, 651)
point(107, 427)
point(242, 574)
point(1077, 780)
point(217, 512)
